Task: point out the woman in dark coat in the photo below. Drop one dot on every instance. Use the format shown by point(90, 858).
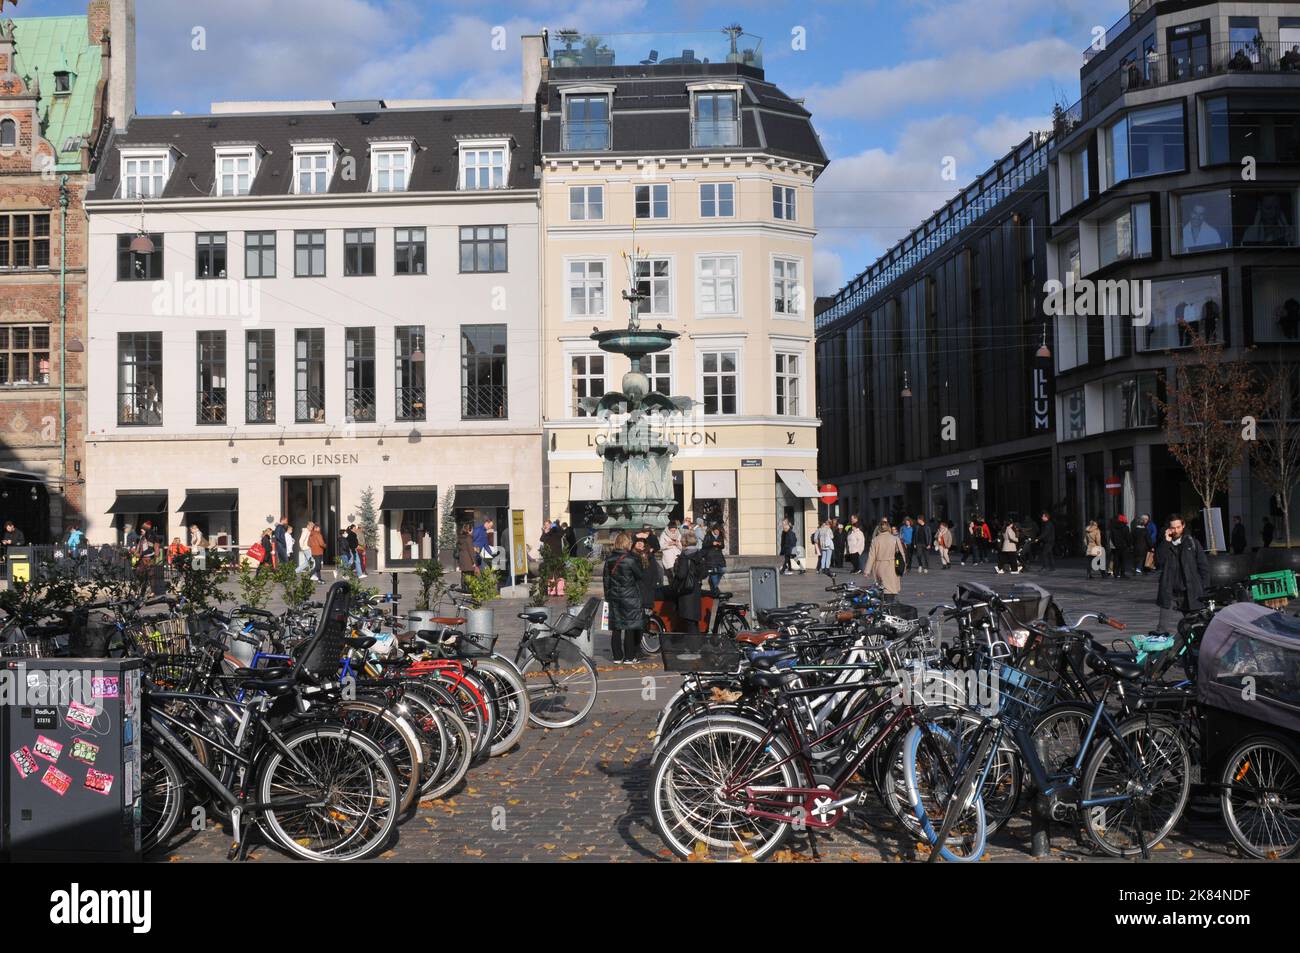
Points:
point(465, 556)
point(715, 556)
point(624, 569)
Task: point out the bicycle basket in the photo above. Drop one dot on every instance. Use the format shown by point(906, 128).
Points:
point(178, 672)
point(42, 647)
point(1022, 696)
point(470, 644)
point(698, 652)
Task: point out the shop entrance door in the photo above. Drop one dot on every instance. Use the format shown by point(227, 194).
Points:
point(315, 499)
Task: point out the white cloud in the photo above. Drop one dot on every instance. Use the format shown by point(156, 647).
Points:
point(966, 75)
point(948, 24)
point(828, 271)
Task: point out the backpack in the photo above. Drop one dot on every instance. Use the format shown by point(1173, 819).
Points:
point(686, 574)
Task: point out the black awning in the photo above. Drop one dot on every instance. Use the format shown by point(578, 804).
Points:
point(482, 497)
point(210, 501)
point(410, 498)
point(151, 502)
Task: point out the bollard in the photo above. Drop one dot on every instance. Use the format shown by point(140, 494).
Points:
point(1040, 822)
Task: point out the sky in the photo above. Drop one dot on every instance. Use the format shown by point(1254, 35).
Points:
point(913, 99)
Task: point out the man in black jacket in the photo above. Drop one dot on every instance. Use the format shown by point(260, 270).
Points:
point(1238, 536)
point(1184, 575)
point(1047, 545)
point(1121, 538)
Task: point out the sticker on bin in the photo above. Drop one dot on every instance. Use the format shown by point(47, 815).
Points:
point(99, 781)
point(84, 751)
point(82, 716)
point(56, 780)
point(24, 762)
point(104, 687)
point(47, 748)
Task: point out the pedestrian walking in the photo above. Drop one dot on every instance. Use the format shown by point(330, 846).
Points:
point(1047, 544)
point(304, 548)
point(824, 543)
point(76, 539)
point(1143, 553)
point(623, 572)
point(1121, 538)
point(922, 540)
point(905, 533)
point(787, 544)
point(316, 544)
point(837, 548)
point(266, 558)
point(1184, 575)
point(280, 542)
point(882, 560)
point(943, 544)
point(714, 548)
point(855, 545)
point(466, 557)
point(1094, 550)
point(1238, 536)
point(1009, 549)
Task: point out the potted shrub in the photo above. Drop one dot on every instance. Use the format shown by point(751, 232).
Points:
point(483, 587)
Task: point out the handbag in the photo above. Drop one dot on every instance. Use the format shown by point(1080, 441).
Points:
point(1094, 550)
point(256, 552)
point(899, 566)
point(1150, 561)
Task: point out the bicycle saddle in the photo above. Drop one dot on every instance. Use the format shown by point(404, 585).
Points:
point(275, 680)
point(766, 671)
point(1121, 667)
point(756, 637)
point(359, 642)
point(532, 615)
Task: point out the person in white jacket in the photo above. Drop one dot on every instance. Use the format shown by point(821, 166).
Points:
point(304, 553)
point(855, 546)
point(670, 545)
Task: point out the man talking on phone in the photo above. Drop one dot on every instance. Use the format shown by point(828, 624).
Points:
point(1184, 575)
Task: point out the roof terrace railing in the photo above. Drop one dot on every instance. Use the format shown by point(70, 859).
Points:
point(570, 48)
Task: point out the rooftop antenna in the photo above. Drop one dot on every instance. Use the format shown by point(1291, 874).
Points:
point(734, 32)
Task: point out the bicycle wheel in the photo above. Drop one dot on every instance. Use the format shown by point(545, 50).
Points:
point(352, 786)
point(1260, 795)
point(460, 754)
point(395, 736)
point(1148, 767)
point(422, 708)
point(561, 682)
point(1059, 734)
point(650, 636)
point(472, 704)
point(511, 699)
point(162, 796)
point(689, 809)
point(929, 758)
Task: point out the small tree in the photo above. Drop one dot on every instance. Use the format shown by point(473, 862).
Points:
point(254, 587)
point(368, 521)
point(295, 587)
point(447, 525)
point(1203, 417)
point(550, 568)
point(200, 588)
point(483, 586)
point(433, 583)
point(577, 579)
point(359, 591)
point(1276, 450)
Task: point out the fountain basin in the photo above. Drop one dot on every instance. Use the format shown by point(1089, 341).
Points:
point(635, 343)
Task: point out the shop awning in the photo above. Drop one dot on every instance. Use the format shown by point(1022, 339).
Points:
point(715, 484)
point(150, 501)
point(584, 487)
point(409, 498)
point(797, 482)
point(210, 501)
point(482, 497)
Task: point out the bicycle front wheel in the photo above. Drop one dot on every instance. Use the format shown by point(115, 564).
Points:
point(929, 760)
point(561, 682)
point(162, 796)
point(350, 788)
point(650, 636)
point(1142, 777)
point(1261, 798)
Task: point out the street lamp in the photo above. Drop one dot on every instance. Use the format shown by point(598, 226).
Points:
point(1043, 350)
point(907, 390)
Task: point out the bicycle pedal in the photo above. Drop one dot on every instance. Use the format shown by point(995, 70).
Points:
point(234, 851)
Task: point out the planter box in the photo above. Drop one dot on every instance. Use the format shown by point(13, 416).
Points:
point(1227, 569)
point(1273, 558)
point(481, 621)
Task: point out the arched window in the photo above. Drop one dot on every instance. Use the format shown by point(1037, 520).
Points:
point(8, 133)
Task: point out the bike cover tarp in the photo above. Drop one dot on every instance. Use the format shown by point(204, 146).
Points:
point(1250, 664)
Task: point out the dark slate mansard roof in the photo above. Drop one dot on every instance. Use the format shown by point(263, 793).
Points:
point(786, 126)
point(437, 133)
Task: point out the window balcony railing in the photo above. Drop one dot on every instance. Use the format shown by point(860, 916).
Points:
point(585, 135)
point(261, 407)
point(410, 403)
point(212, 407)
point(484, 401)
point(1137, 8)
point(1263, 56)
point(310, 407)
point(707, 134)
point(360, 404)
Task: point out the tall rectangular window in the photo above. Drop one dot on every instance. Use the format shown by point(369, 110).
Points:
point(787, 385)
point(358, 251)
point(259, 350)
point(211, 353)
point(408, 349)
point(586, 283)
point(234, 174)
point(311, 172)
point(586, 203)
point(586, 379)
point(359, 375)
point(309, 375)
point(309, 254)
point(391, 168)
point(787, 290)
point(24, 354)
point(482, 248)
point(143, 177)
point(210, 255)
point(719, 382)
point(139, 266)
point(660, 372)
point(783, 198)
point(717, 285)
point(24, 240)
point(408, 251)
point(482, 168)
point(259, 254)
point(139, 379)
point(483, 371)
point(717, 200)
point(715, 120)
point(654, 284)
point(586, 123)
point(652, 201)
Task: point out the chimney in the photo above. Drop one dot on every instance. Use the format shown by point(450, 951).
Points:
point(98, 13)
point(121, 80)
point(534, 51)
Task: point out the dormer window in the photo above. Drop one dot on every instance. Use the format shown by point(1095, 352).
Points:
point(145, 172)
point(62, 82)
point(390, 167)
point(484, 164)
point(313, 168)
point(236, 169)
point(586, 126)
point(715, 118)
